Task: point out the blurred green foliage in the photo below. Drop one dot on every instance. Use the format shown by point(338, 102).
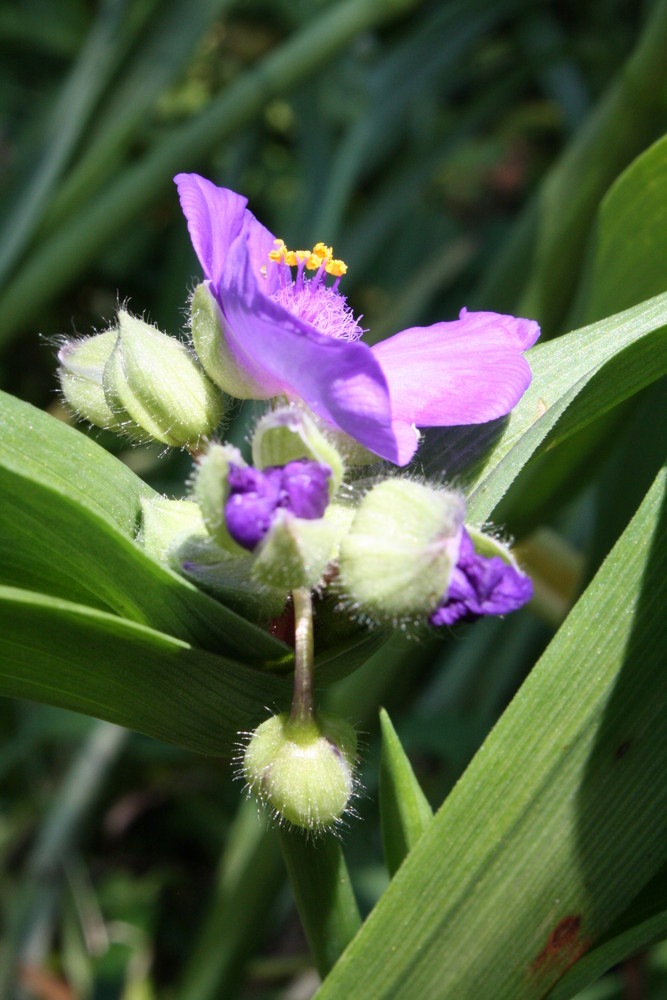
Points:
point(454, 154)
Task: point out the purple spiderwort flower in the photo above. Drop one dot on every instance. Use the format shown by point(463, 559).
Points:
point(481, 586)
point(301, 487)
point(298, 338)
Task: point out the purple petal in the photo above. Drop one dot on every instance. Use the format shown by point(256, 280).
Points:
point(251, 506)
point(339, 380)
point(216, 217)
point(481, 586)
point(464, 372)
point(301, 487)
point(305, 486)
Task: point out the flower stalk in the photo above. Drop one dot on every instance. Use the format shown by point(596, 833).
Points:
point(303, 702)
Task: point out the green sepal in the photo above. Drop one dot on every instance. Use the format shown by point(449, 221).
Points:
point(404, 809)
point(210, 489)
point(295, 552)
point(165, 524)
point(487, 546)
point(207, 328)
point(288, 434)
point(80, 372)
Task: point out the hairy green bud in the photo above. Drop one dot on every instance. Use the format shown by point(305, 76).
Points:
point(303, 771)
point(81, 371)
point(155, 380)
point(396, 560)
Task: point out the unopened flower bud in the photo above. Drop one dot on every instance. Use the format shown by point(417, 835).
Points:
point(304, 771)
point(80, 372)
point(396, 560)
point(210, 343)
point(288, 434)
point(154, 379)
point(486, 581)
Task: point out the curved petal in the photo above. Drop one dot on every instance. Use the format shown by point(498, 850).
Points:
point(465, 372)
point(216, 216)
point(339, 380)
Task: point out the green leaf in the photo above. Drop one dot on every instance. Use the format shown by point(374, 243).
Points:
point(576, 378)
point(36, 446)
point(631, 244)
point(560, 819)
point(68, 518)
point(404, 809)
point(323, 893)
point(79, 658)
point(641, 925)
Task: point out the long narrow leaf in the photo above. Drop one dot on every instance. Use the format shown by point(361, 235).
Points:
point(82, 659)
point(558, 822)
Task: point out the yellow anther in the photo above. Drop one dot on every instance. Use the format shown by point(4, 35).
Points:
point(279, 253)
point(323, 251)
point(320, 255)
point(336, 267)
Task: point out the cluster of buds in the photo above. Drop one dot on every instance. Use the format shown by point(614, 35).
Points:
point(300, 517)
point(137, 381)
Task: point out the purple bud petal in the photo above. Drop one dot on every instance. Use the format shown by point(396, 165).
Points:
point(306, 488)
point(481, 586)
point(253, 499)
point(301, 487)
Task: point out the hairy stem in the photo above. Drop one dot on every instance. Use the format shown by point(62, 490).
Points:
point(303, 704)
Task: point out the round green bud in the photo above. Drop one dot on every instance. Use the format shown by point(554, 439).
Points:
point(396, 560)
point(154, 378)
point(304, 771)
point(289, 434)
point(81, 372)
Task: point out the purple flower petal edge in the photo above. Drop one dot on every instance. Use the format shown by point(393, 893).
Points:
point(481, 586)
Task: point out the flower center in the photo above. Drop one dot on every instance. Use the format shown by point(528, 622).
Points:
point(311, 299)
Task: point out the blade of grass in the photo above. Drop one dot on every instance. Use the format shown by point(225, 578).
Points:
point(559, 821)
point(69, 117)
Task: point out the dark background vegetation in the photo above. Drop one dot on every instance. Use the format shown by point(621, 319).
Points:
point(454, 154)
